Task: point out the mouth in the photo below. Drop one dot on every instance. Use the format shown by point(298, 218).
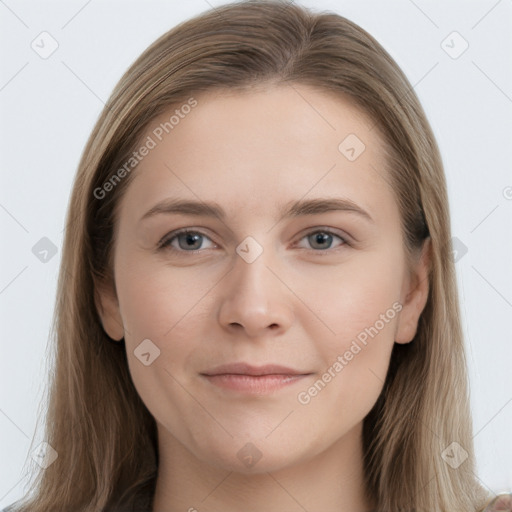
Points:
point(250, 379)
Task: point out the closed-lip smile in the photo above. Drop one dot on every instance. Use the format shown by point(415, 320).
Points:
point(247, 369)
point(245, 378)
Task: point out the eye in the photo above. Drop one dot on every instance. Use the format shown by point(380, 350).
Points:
point(187, 241)
point(322, 239)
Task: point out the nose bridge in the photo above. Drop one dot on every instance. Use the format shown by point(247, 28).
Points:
point(254, 297)
point(252, 277)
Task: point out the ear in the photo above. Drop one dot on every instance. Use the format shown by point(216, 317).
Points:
point(108, 309)
point(414, 296)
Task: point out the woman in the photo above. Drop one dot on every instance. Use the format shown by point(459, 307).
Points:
point(262, 369)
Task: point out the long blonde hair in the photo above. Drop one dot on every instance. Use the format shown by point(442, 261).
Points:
point(103, 434)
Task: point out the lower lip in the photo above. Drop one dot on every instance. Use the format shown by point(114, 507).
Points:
point(257, 384)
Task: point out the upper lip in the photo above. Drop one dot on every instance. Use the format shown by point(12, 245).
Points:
point(247, 369)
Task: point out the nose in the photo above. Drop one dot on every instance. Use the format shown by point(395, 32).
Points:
point(255, 300)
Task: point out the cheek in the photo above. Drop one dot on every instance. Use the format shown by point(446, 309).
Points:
point(157, 300)
point(342, 396)
point(164, 306)
point(361, 309)
point(352, 297)
point(359, 304)
point(167, 307)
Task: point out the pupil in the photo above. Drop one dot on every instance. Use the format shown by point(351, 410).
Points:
point(321, 238)
point(191, 238)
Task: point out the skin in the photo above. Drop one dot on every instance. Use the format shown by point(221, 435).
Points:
point(299, 303)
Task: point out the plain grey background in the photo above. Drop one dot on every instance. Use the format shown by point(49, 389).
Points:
point(457, 55)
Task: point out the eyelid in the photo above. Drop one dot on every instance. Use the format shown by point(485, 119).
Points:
point(330, 250)
point(325, 229)
point(164, 243)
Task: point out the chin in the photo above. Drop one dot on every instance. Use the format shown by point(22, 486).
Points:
point(252, 457)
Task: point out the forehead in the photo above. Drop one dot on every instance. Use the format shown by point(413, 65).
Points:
point(256, 149)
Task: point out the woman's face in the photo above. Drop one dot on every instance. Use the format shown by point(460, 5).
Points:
point(280, 276)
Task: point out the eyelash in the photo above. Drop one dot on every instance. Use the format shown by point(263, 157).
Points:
point(165, 243)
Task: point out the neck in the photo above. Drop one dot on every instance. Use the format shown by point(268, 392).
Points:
point(332, 481)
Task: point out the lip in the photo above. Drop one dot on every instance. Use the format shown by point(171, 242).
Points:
point(247, 369)
point(245, 378)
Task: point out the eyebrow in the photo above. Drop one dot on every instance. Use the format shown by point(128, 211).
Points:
point(289, 210)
